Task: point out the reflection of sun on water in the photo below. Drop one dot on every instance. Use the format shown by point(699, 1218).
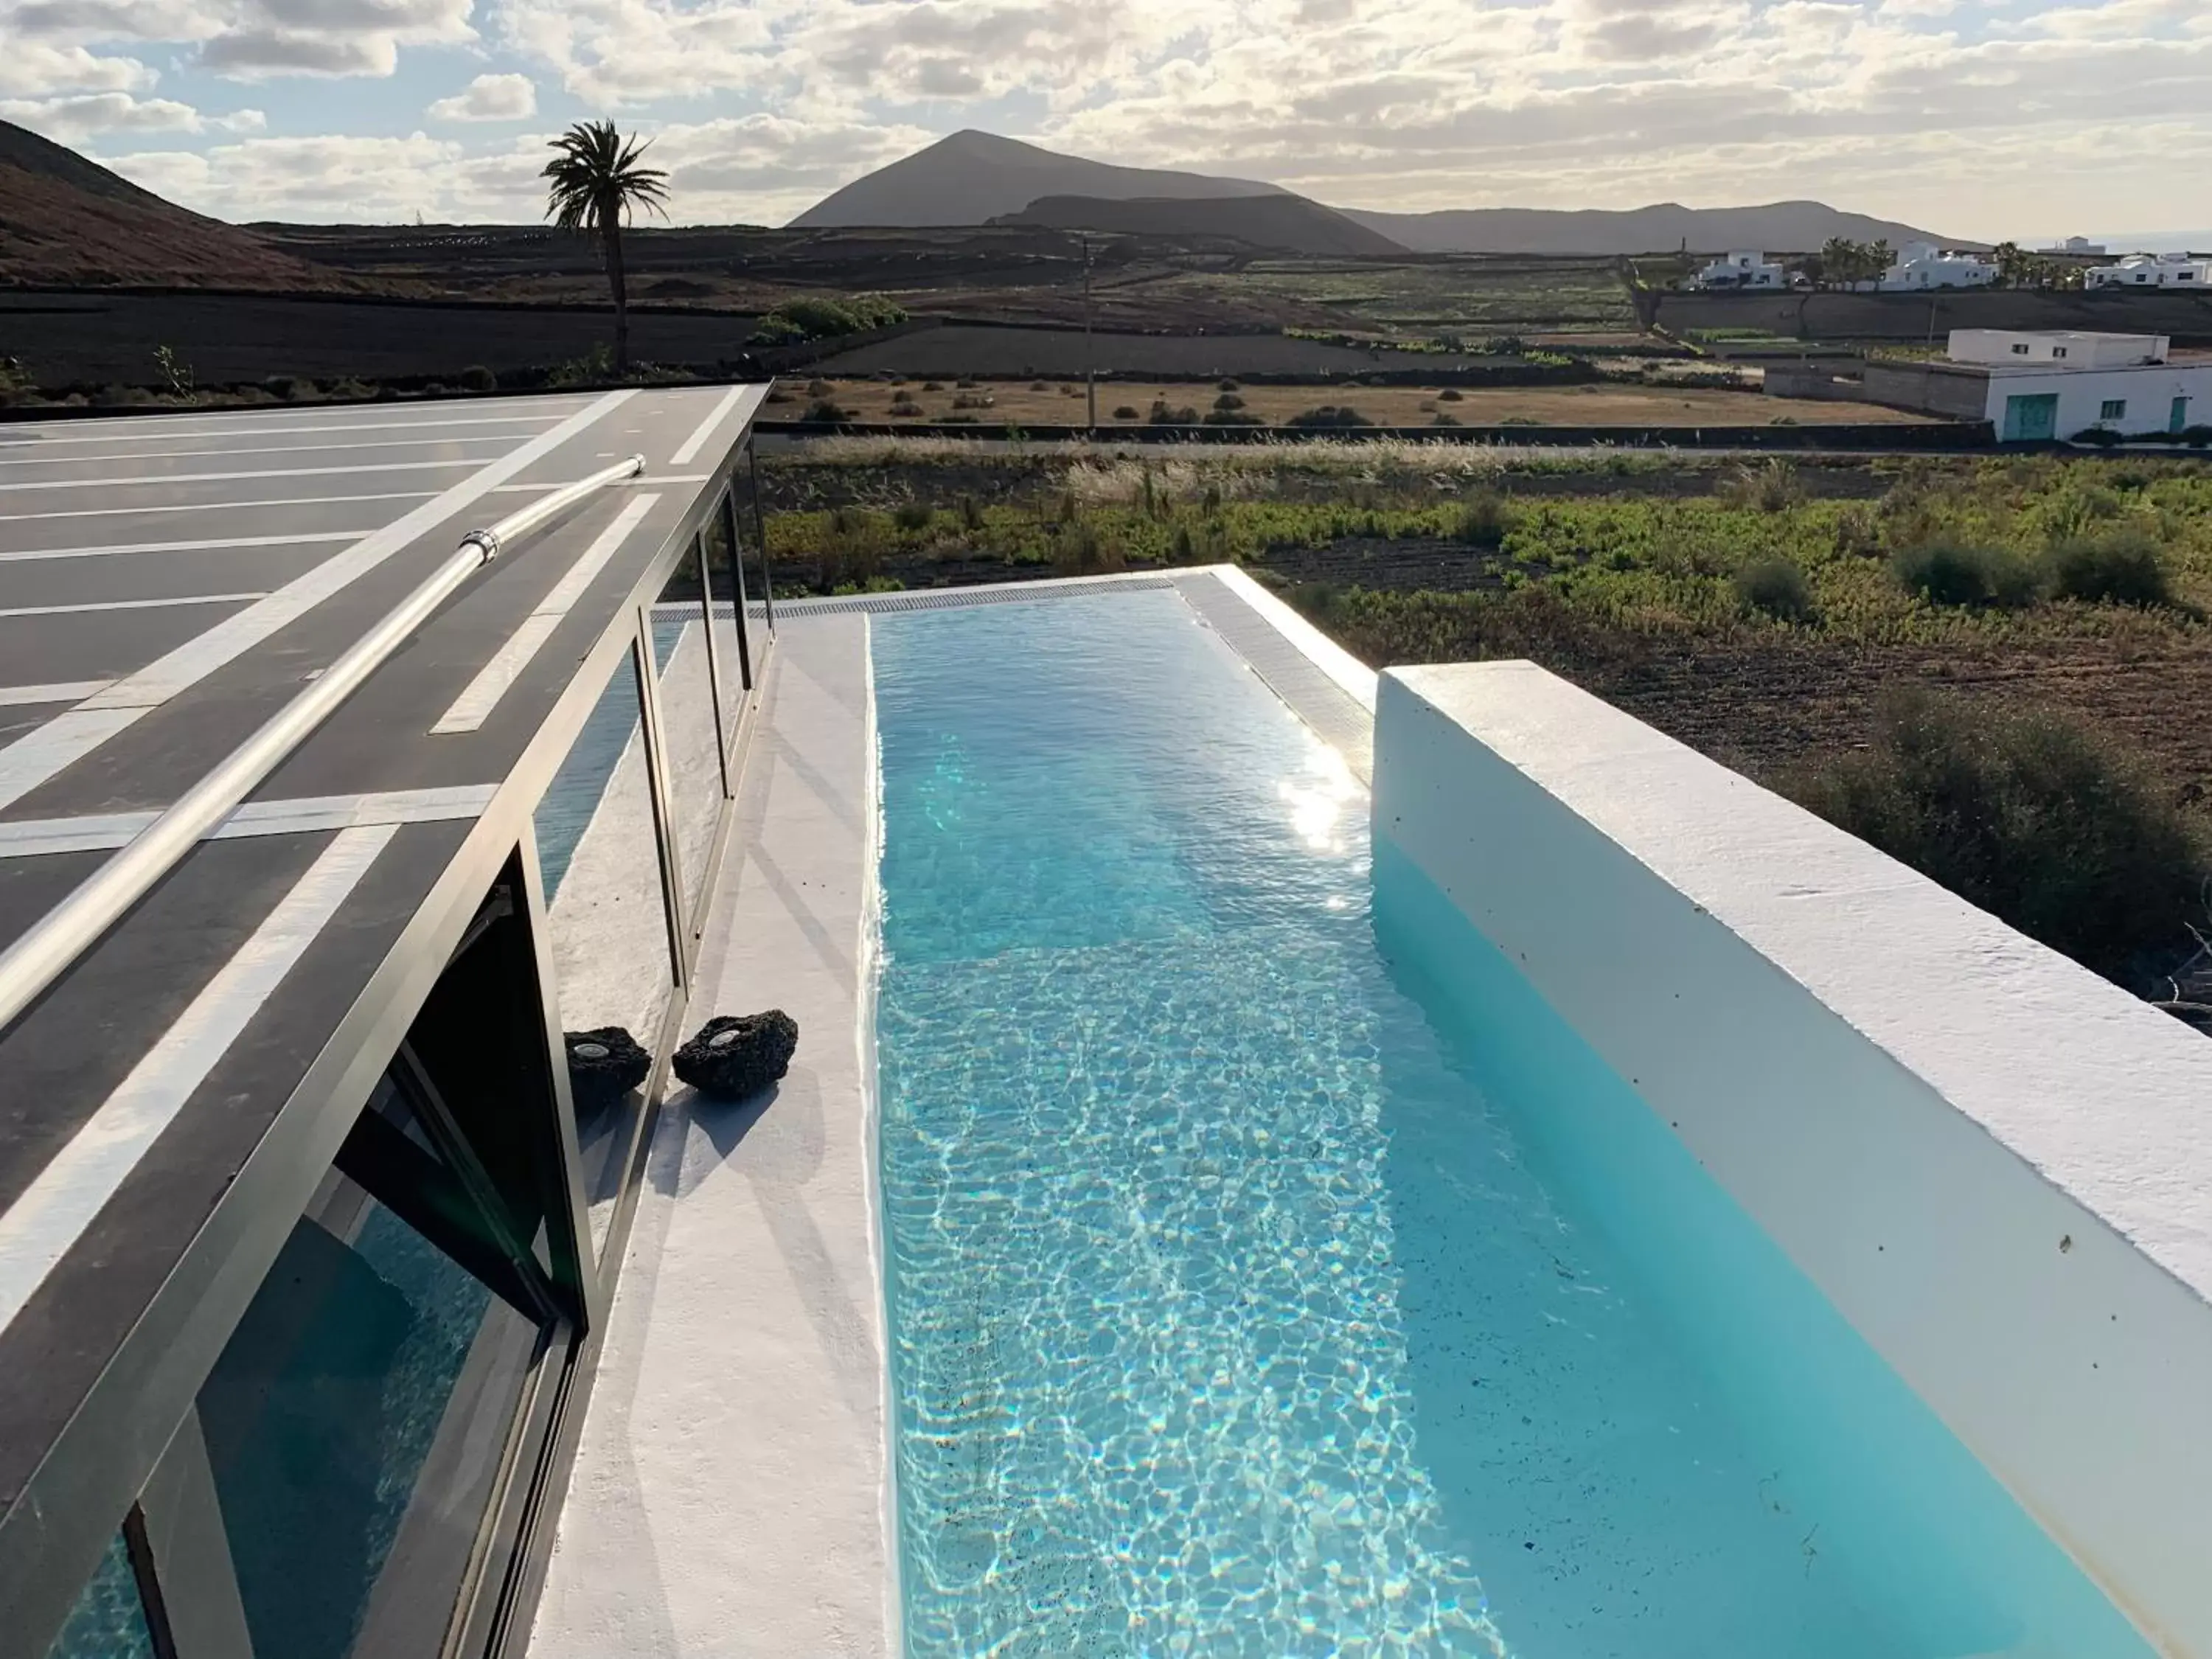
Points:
point(1321, 799)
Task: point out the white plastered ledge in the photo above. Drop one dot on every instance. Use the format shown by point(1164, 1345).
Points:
point(729, 1494)
point(1996, 1165)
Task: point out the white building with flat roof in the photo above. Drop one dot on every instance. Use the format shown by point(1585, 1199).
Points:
point(2035, 387)
point(1752, 270)
point(2152, 270)
point(1923, 266)
point(2012, 347)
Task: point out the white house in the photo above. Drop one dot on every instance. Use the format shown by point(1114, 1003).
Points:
point(1923, 265)
point(1742, 271)
point(2048, 385)
point(2077, 247)
point(2149, 271)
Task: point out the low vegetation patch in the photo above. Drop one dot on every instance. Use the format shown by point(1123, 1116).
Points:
point(1777, 588)
point(821, 317)
point(2037, 819)
point(1330, 415)
point(2121, 568)
point(1944, 572)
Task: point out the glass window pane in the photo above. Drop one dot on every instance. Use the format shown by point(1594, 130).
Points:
point(108, 1622)
point(725, 589)
point(356, 1425)
point(608, 932)
point(695, 755)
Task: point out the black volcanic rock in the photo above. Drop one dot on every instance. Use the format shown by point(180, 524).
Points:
point(736, 1057)
point(604, 1065)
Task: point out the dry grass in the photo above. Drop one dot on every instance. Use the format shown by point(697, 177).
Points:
point(1012, 402)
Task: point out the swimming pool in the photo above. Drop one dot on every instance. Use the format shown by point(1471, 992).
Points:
point(1271, 1272)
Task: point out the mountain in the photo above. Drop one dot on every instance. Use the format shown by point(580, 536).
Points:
point(66, 221)
point(1290, 223)
point(972, 178)
point(1781, 227)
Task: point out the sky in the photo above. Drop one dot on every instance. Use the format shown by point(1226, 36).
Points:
point(1973, 119)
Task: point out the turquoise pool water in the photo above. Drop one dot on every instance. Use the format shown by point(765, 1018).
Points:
point(1271, 1274)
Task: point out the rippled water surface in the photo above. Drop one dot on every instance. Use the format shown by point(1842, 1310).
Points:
point(1230, 1315)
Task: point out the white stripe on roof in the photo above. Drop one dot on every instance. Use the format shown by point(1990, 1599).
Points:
point(39, 755)
point(213, 507)
point(172, 479)
point(10, 555)
point(37, 458)
point(155, 428)
point(132, 605)
point(473, 706)
point(95, 832)
point(59, 691)
point(65, 1198)
point(699, 433)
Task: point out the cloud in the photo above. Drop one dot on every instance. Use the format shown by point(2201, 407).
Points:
point(1972, 118)
point(72, 118)
point(489, 97)
point(262, 39)
point(37, 69)
point(65, 120)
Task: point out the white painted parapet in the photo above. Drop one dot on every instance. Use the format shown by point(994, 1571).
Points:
point(1993, 1164)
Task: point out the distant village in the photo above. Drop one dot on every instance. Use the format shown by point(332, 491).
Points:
point(1919, 267)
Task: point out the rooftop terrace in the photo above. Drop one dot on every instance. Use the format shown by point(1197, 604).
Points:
point(1279, 1160)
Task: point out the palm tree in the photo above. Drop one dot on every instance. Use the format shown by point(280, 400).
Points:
point(595, 182)
point(2013, 266)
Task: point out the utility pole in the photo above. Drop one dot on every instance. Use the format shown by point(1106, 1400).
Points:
point(1089, 360)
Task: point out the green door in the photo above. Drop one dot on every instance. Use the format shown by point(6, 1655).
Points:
point(2178, 420)
point(2031, 420)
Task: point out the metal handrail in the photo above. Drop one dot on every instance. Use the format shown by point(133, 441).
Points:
point(45, 951)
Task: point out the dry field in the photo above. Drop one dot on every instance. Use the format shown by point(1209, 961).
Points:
point(1061, 403)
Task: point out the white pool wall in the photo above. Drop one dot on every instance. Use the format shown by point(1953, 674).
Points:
point(1996, 1166)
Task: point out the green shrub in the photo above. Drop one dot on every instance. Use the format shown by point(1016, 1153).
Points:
point(903, 404)
point(477, 378)
point(823, 411)
point(1231, 417)
point(1484, 521)
point(913, 517)
point(1330, 415)
point(2097, 437)
point(1451, 395)
point(1161, 415)
point(1226, 386)
point(971, 515)
point(2042, 821)
point(2122, 568)
point(1229, 400)
point(1777, 589)
point(1952, 573)
point(1128, 412)
point(1445, 420)
point(820, 316)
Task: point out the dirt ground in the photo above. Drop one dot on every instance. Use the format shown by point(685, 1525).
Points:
point(1061, 403)
point(1765, 708)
